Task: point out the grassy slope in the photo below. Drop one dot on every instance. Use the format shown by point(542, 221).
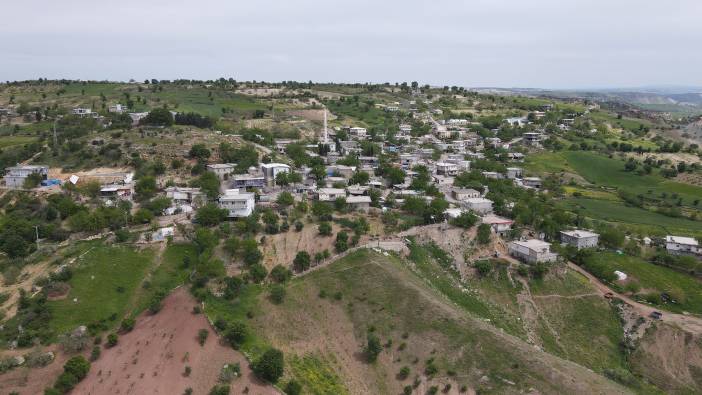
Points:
point(378, 292)
point(654, 278)
point(169, 274)
point(103, 283)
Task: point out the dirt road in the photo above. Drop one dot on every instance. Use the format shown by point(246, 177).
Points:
point(686, 322)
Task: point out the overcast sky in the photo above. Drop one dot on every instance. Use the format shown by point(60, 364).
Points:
point(516, 43)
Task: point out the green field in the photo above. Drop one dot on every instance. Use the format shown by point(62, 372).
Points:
point(686, 289)
point(10, 141)
point(103, 284)
point(643, 220)
point(169, 274)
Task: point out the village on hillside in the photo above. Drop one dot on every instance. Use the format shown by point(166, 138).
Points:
point(235, 189)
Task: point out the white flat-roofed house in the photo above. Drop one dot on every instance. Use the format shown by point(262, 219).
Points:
point(408, 160)
point(84, 113)
point(446, 168)
point(342, 170)
point(478, 205)
point(679, 245)
point(358, 133)
point(117, 108)
point(271, 170)
point(237, 204)
point(137, 117)
point(443, 181)
point(182, 195)
point(498, 224)
point(580, 238)
point(514, 172)
point(329, 194)
point(532, 182)
point(16, 175)
point(465, 193)
point(532, 251)
point(517, 121)
point(222, 170)
point(492, 174)
point(359, 203)
point(515, 156)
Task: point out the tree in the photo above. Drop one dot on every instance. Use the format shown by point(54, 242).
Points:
point(250, 252)
point(281, 179)
point(395, 175)
point(199, 151)
point(325, 229)
point(484, 267)
point(484, 232)
point(143, 216)
point(302, 261)
point(342, 242)
point(270, 365)
point(465, 220)
point(257, 272)
point(145, 187)
point(612, 237)
point(359, 177)
point(373, 348)
point(158, 117)
point(285, 199)
point(210, 215)
point(205, 240)
point(235, 334)
point(208, 182)
point(280, 274)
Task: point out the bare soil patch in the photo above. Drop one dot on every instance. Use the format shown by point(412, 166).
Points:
point(152, 358)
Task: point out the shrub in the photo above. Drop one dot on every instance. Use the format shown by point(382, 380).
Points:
point(342, 242)
point(127, 324)
point(277, 293)
point(302, 261)
point(280, 274)
point(235, 334)
point(293, 388)
point(373, 348)
point(270, 365)
point(484, 267)
point(404, 373)
point(95, 354)
point(325, 229)
point(112, 339)
point(219, 390)
point(202, 335)
point(484, 232)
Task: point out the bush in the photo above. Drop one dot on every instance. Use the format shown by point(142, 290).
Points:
point(270, 365)
point(112, 340)
point(277, 293)
point(235, 334)
point(202, 335)
point(95, 354)
point(219, 390)
point(465, 220)
point(302, 261)
point(484, 232)
point(257, 272)
point(404, 373)
point(127, 324)
point(342, 240)
point(484, 267)
point(373, 348)
point(325, 229)
point(293, 388)
point(280, 274)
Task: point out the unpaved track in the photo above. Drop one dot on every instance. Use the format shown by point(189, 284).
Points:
point(686, 322)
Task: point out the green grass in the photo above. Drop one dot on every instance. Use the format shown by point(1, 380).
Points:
point(463, 294)
point(380, 292)
point(593, 345)
point(316, 376)
point(569, 284)
point(237, 310)
point(10, 141)
point(103, 283)
point(643, 220)
point(654, 278)
point(169, 274)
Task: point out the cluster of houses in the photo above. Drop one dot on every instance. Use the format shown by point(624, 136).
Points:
point(454, 147)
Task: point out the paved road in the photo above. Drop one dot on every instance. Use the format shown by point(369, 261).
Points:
point(688, 322)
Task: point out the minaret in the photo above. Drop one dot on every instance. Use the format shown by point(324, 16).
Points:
point(325, 126)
